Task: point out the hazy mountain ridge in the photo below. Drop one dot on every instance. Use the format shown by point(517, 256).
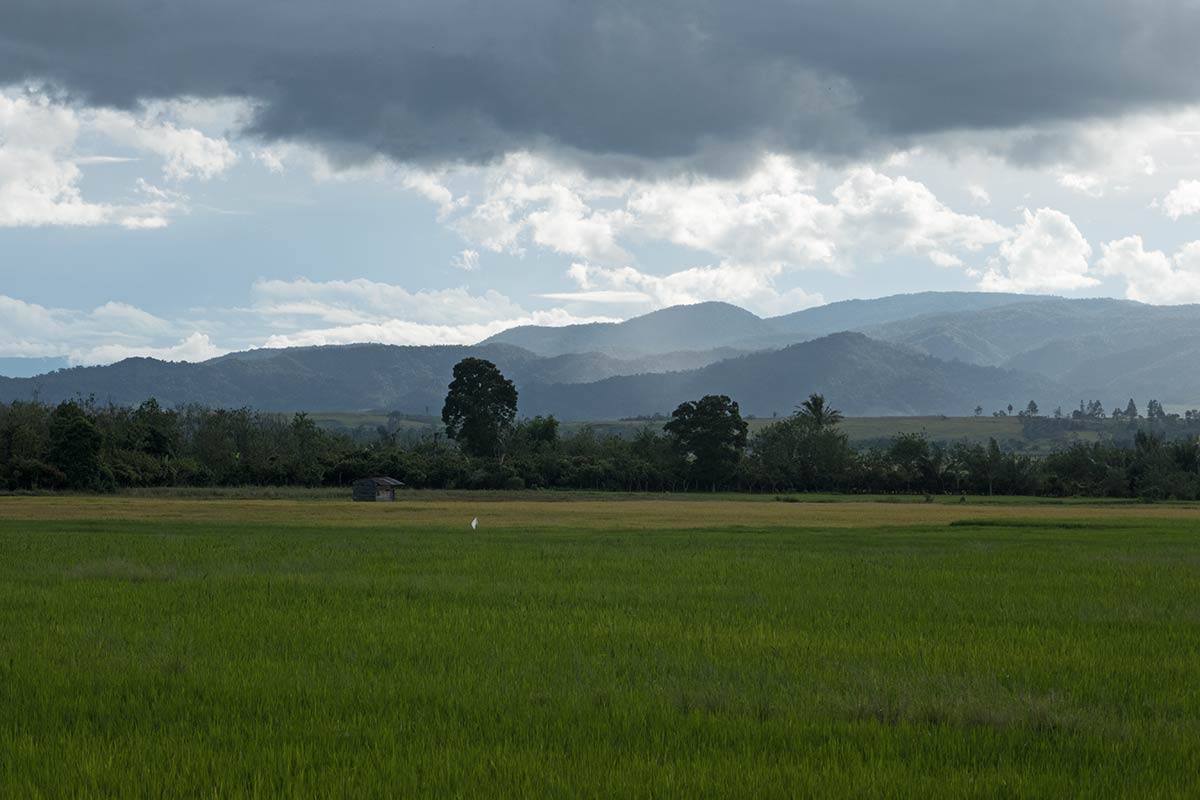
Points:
point(1047, 349)
point(1100, 347)
point(860, 375)
point(332, 378)
point(1160, 370)
point(702, 326)
point(1074, 342)
point(866, 376)
point(1008, 331)
point(850, 315)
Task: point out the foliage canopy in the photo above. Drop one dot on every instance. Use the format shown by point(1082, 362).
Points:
point(480, 407)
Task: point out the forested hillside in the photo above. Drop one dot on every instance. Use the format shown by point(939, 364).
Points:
point(875, 378)
point(927, 353)
point(339, 378)
point(869, 377)
point(693, 327)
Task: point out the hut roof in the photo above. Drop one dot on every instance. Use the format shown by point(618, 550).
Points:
point(382, 481)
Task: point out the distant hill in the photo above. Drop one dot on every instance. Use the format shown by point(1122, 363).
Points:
point(354, 377)
point(336, 378)
point(911, 359)
point(1164, 370)
point(703, 326)
point(1097, 346)
point(861, 376)
point(855, 315)
point(998, 334)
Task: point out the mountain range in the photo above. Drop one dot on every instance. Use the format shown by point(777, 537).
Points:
point(862, 376)
point(711, 325)
point(925, 353)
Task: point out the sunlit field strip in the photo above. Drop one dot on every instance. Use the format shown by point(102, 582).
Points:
point(639, 513)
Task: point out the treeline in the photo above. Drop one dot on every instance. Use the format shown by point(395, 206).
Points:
point(705, 447)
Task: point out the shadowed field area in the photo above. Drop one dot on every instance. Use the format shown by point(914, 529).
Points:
point(597, 648)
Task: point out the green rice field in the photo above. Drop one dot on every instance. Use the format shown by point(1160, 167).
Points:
point(594, 647)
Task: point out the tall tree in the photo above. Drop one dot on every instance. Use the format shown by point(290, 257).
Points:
point(1131, 410)
point(910, 454)
point(75, 445)
point(307, 451)
point(157, 429)
point(481, 405)
point(711, 434)
point(818, 412)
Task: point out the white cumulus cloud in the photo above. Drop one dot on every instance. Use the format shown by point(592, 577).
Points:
point(881, 214)
point(39, 183)
point(467, 260)
point(42, 152)
point(1151, 276)
point(979, 194)
point(362, 300)
point(749, 286)
point(773, 217)
point(1047, 253)
point(105, 334)
point(1183, 200)
point(195, 347)
point(186, 152)
point(360, 310)
point(528, 199)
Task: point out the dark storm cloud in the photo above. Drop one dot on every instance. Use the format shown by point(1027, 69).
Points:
point(445, 80)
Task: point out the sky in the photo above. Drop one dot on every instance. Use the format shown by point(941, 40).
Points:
point(180, 180)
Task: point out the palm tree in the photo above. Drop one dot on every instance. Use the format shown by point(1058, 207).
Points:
point(815, 410)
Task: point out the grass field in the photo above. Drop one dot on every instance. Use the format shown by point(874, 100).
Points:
point(597, 647)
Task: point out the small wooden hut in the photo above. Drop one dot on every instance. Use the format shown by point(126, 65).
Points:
point(376, 490)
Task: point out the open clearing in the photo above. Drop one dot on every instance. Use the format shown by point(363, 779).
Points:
point(594, 647)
